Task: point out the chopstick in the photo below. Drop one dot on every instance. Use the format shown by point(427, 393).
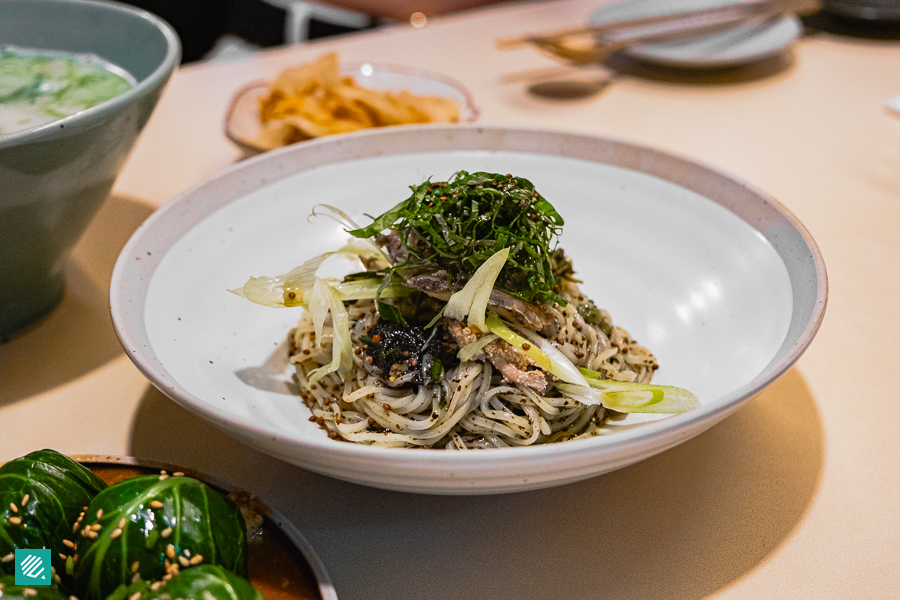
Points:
point(623, 32)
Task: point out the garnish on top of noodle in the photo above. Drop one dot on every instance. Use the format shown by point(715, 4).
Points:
point(456, 226)
point(463, 328)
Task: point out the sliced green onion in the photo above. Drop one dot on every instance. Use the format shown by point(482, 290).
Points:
point(468, 351)
point(295, 287)
point(539, 350)
point(561, 366)
point(627, 397)
point(472, 300)
point(366, 289)
point(277, 291)
point(337, 214)
point(325, 299)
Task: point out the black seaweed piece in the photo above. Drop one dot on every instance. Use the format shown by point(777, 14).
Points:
point(397, 349)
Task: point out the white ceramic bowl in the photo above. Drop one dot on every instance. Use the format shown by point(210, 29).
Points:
point(243, 124)
point(722, 283)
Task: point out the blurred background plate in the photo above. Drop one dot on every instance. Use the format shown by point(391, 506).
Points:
point(243, 124)
point(717, 279)
point(754, 40)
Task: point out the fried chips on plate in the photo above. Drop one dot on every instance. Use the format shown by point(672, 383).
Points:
point(324, 98)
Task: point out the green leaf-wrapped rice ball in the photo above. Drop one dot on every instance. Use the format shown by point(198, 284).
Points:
point(10, 591)
point(151, 527)
point(206, 582)
point(41, 497)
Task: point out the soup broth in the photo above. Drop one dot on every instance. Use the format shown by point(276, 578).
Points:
point(39, 87)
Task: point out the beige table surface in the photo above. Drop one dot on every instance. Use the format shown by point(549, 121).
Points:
point(795, 496)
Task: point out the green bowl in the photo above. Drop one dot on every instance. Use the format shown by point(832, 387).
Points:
point(55, 177)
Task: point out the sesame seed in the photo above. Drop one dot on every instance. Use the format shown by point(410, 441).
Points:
point(156, 504)
point(122, 522)
point(8, 558)
point(170, 551)
point(62, 556)
point(166, 532)
point(156, 585)
point(186, 552)
point(13, 507)
point(135, 566)
point(184, 562)
point(69, 543)
point(196, 560)
point(15, 520)
point(135, 596)
point(178, 474)
point(29, 592)
point(116, 533)
point(99, 514)
point(24, 500)
point(163, 476)
point(96, 527)
point(135, 578)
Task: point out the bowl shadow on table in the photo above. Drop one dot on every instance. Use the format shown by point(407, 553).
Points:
point(77, 337)
point(681, 525)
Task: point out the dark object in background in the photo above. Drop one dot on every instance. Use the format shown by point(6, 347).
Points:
point(318, 29)
point(258, 22)
point(865, 10)
point(873, 19)
point(199, 23)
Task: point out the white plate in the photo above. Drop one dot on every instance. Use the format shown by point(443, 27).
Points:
point(749, 42)
point(716, 278)
point(243, 125)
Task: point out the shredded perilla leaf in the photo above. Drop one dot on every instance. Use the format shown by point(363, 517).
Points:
point(457, 225)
